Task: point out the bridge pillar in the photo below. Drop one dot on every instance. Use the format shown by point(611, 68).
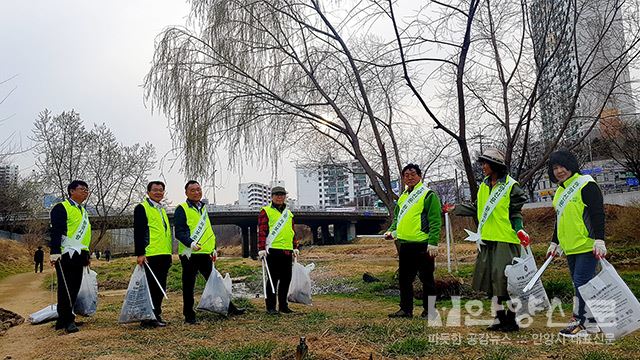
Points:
point(340, 231)
point(351, 233)
point(253, 241)
point(245, 241)
point(314, 234)
point(326, 236)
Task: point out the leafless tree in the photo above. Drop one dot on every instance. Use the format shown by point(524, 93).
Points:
point(258, 77)
point(620, 141)
point(511, 61)
point(116, 173)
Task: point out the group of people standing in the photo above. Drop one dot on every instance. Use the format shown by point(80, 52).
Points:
point(579, 233)
point(500, 236)
point(71, 238)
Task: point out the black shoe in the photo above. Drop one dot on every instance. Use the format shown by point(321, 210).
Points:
point(71, 328)
point(273, 312)
point(401, 314)
point(510, 324)
point(286, 310)
point(160, 322)
point(60, 325)
point(236, 311)
point(499, 321)
point(191, 321)
point(149, 323)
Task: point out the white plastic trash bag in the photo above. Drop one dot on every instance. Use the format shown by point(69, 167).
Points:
point(49, 313)
point(300, 287)
point(87, 300)
point(518, 274)
point(615, 308)
point(215, 297)
point(227, 283)
point(137, 302)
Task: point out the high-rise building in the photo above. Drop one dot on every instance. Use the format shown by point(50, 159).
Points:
point(331, 184)
point(561, 42)
point(255, 194)
point(8, 174)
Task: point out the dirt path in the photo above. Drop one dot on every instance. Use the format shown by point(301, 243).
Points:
point(23, 294)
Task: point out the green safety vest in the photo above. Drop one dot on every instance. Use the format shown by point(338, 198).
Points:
point(74, 219)
point(409, 228)
point(573, 234)
point(208, 240)
point(160, 240)
point(284, 240)
point(498, 225)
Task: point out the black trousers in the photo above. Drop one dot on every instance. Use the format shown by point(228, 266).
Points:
point(69, 271)
point(39, 264)
point(280, 263)
point(160, 265)
point(415, 259)
point(198, 263)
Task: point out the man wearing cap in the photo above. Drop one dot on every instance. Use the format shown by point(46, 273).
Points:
point(197, 246)
point(416, 224)
point(500, 233)
point(70, 240)
point(277, 243)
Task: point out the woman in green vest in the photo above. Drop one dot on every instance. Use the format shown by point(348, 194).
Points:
point(498, 210)
point(579, 232)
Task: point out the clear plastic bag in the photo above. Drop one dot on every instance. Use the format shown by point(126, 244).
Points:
point(87, 300)
point(300, 287)
point(227, 283)
point(49, 313)
point(615, 308)
point(518, 274)
point(137, 304)
point(215, 297)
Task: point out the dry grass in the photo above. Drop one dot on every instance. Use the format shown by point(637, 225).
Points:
point(14, 258)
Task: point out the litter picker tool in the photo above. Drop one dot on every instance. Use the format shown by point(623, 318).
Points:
point(156, 279)
point(266, 273)
point(538, 274)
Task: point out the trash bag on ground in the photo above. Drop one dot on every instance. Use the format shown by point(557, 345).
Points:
point(215, 297)
point(87, 300)
point(48, 313)
point(613, 305)
point(300, 287)
point(518, 274)
point(137, 304)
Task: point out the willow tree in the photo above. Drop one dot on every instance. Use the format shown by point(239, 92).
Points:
point(257, 77)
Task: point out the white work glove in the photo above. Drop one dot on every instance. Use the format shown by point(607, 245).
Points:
point(262, 254)
point(195, 246)
point(296, 252)
point(599, 250)
point(552, 251)
point(390, 235)
point(53, 258)
point(214, 255)
point(433, 250)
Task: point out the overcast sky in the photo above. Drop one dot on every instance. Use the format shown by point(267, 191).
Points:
point(92, 57)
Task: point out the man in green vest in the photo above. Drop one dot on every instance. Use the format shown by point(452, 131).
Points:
point(277, 243)
point(153, 245)
point(70, 240)
point(197, 246)
point(416, 225)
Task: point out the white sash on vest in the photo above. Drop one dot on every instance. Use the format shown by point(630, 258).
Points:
point(412, 199)
point(74, 244)
point(277, 228)
point(198, 232)
point(569, 193)
point(492, 203)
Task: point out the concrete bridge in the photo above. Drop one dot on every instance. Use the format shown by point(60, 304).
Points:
point(333, 226)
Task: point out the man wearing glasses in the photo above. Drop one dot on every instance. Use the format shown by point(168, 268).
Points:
point(70, 240)
point(153, 245)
